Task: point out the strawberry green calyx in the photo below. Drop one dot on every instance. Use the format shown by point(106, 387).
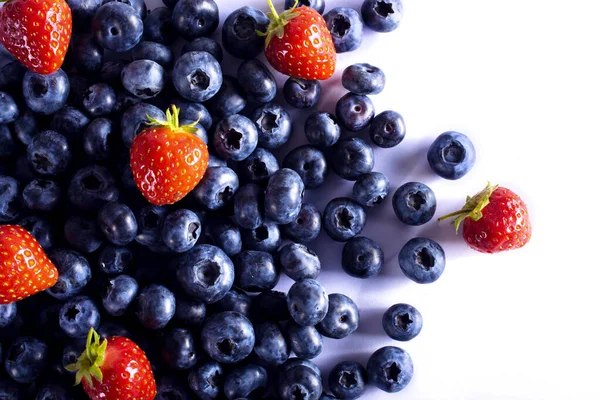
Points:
point(472, 207)
point(89, 362)
point(172, 122)
point(278, 22)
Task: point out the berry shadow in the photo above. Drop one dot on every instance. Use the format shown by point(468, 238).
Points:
point(370, 321)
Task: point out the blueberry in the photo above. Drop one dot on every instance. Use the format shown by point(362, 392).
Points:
point(74, 273)
point(197, 76)
point(414, 203)
point(256, 271)
point(239, 32)
point(283, 196)
point(234, 300)
point(301, 93)
point(235, 137)
point(179, 350)
point(193, 19)
point(155, 306)
point(118, 294)
point(305, 341)
point(158, 26)
point(143, 78)
point(387, 129)
point(300, 382)
point(266, 237)
point(99, 100)
point(118, 223)
point(206, 380)
point(77, 316)
point(150, 222)
point(318, 5)
point(191, 112)
point(307, 302)
point(310, 164)
point(190, 313)
point(354, 112)
point(274, 125)
point(204, 44)
point(87, 54)
point(307, 225)
point(402, 322)
point(296, 362)
point(346, 28)
point(343, 219)
point(111, 72)
point(206, 273)
point(26, 358)
point(45, 94)
point(371, 189)
point(422, 260)
point(225, 235)
point(216, 188)
point(351, 158)
point(248, 206)
point(99, 139)
point(229, 100)
point(341, 319)
point(390, 369)
point(153, 51)
point(271, 346)
point(138, 5)
point(10, 199)
point(8, 312)
point(299, 262)
point(181, 230)
point(322, 129)
point(347, 380)
point(9, 111)
point(451, 155)
point(82, 12)
point(363, 79)
point(257, 80)
point(82, 234)
point(382, 15)
point(113, 260)
point(227, 337)
point(362, 257)
point(7, 143)
point(246, 382)
point(117, 26)
point(134, 120)
point(270, 306)
point(26, 126)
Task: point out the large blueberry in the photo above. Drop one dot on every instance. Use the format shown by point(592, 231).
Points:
point(274, 125)
point(156, 52)
point(230, 99)
point(363, 79)
point(402, 322)
point(414, 203)
point(155, 306)
point(204, 44)
point(305, 341)
point(117, 26)
point(143, 78)
point(381, 15)
point(248, 206)
point(348, 380)
point(74, 273)
point(346, 28)
point(390, 369)
point(371, 189)
point(82, 234)
point(9, 111)
point(387, 129)
point(224, 234)
point(422, 260)
point(307, 225)
point(134, 120)
point(216, 188)
point(118, 223)
point(301, 93)
point(258, 166)
point(271, 345)
point(45, 94)
point(300, 382)
point(283, 196)
point(256, 271)
point(239, 32)
point(113, 260)
point(181, 230)
point(322, 129)
point(197, 76)
point(307, 302)
point(362, 257)
point(195, 18)
point(354, 112)
point(248, 381)
point(206, 380)
point(227, 337)
point(310, 164)
point(235, 137)
point(451, 155)
point(342, 317)
point(118, 294)
point(25, 360)
point(351, 158)
point(257, 80)
point(343, 219)
point(10, 199)
point(299, 262)
point(179, 350)
point(77, 316)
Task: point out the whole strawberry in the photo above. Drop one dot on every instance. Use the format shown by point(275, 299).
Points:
point(36, 32)
point(495, 220)
point(114, 369)
point(299, 44)
point(167, 160)
point(24, 267)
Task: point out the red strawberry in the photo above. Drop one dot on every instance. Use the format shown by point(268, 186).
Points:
point(167, 160)
point(114, 369)
point(36, 32)
point(299, 44)
point(24, 267)
point(495, 220)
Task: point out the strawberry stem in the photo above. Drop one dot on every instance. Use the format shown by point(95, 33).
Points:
point(90, 361)
point(278, 22)
point(472, 208)
point(172, 121)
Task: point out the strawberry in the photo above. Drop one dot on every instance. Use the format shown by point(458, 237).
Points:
point(495, 219)
point(114, 369)
point(25, 269)
point(167, 160)
point(299, 44)
point(36, 32)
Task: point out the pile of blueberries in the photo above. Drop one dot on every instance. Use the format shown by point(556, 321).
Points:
point(192, 283)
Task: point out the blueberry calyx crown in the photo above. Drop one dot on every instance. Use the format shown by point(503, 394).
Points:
point(472, 207)
point(172, 122)
point(278, 22)
point(89, 362)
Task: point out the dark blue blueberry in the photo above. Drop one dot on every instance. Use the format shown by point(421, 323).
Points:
point(248, 381)
point(118, 294)
point(390, 369)
point(422, 260)
point(310, 164)
point(158, 26)
point(229, 100)
point(343, 219)
point(451, 155)
point(307, 225)
point(322, 129)
point(300, 382)
point(381, 15)
point(305, 341)
point(248, 206)
point(206, 380)
point(234, 300)
point(143, 78)
point(346, 28)
point(9, 111)
point(82, 12)
point(414, 203)
point(45, 94)
point(264, 238)
point(239, 32)
point(271, 345)
point(53, 391)
point(205, 273)
point(192, 112)
point(113, 260)
point(307, 302)
point(197, 76)
point(402, 322)
point(181, 230)
point(156, 52)
point(10, 199)
point(41, 229)
point(77, 316)
point(7, 143)
point(257, 80)
point(342, 317)
point(100, 99)
point(351, 158)
point(363, 79)
point(26, 126)
point(87, 54)
point(70, 122)
point(270, 306)
point(150, 222)
point(193, 18)
point(235, 137)
point(138, 5)
point(204, 44)
point(8, 312)
point(225, 235)
point(190, 313)
point(318, 5)
point(283, 196)
point(82, 234)
point(118, 223)
point(155, 306)
point(179, 350)
point(274, 125)
point(387, 129)
point(98, 139)
point(48, 154)
point(348, 380)
point(74, 273)
point(216, 188)
point(301, 93)
point(11, 75)
point(134, 120)
point(26, 358)
point(117, 26)
point(362, 257)
point(371, 189)
point(299, 262)
point(227, 337)
point(354, 112)
point(256, 271)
